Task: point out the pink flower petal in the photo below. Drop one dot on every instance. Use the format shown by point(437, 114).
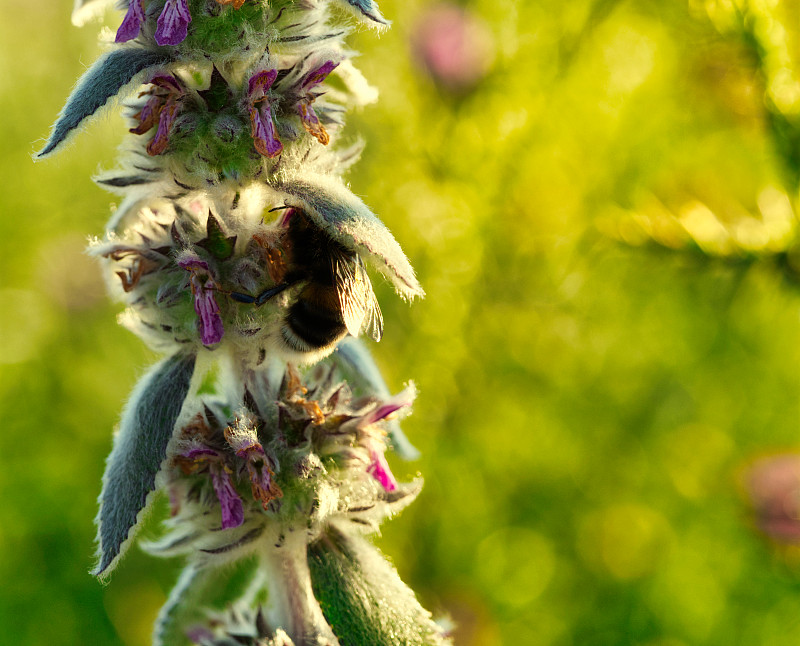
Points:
point(379, 469)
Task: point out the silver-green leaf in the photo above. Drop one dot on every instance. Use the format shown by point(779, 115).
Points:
point(363, 598)
point(368, 9)
point(109, 75)
point(140, 446)
point(344, 217)
point(201, 588)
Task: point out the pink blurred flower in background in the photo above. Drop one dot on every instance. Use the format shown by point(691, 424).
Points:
point(454, 46)
point(773, 486)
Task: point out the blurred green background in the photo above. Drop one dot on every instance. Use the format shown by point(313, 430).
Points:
point(601, 203)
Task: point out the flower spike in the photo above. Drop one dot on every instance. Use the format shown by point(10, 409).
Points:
point(239, 252)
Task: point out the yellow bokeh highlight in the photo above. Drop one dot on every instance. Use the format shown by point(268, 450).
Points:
point(625, 540)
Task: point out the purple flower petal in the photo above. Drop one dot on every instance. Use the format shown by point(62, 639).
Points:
point(192, 263)
point(379, 469)
point(318, 75)
point(205, 305)
point(161, 108)
point(173, 23)
point(308, 117)
point(199, 453)
point(259, 84)
point(288, 214)
point(131, 23)
point(158, 144)
point(246, 445)
point(311, 122)
point(382, 412)
point(399, 401)
point(148, 116)
point(229, 500)
point(261, 483)
point(168, 83)
point(243, 439)
point(265, 138)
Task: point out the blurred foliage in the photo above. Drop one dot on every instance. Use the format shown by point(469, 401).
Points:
point(589, 397)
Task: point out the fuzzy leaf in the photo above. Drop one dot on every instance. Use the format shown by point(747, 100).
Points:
point(369, 9)
point(139, 449)
point(363, 598)
point(103, 80)
point(364, 377)
point(199, 589)
point(350, 222)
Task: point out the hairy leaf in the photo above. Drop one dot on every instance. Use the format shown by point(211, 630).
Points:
point(103, 80)
point(200, 588)
point(363, 598)
point(369, 9)
point(349, 221)
point(139, 449)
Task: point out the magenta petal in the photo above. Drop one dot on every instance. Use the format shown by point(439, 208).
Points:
point(308, 116)
point(193, 264)
point(148, 117)
point(168, 83)
point(247, 448)
point(158, 144)
point(288, 214)
point(173, 23)
point(205, 305)
point(260, 83)
point(229, 501)
point(379, 469)
point(382, 412)
point(265, 482)
point(131, 23)
point(317, 76)
point(311, 122)
point(199, 452)
point(265, 137)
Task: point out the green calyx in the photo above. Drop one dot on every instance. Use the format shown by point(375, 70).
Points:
point(219, 29)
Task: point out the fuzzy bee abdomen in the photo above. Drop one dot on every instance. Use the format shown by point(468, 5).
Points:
point(314, 320)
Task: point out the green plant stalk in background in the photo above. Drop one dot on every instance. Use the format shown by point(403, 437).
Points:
point(241, 255)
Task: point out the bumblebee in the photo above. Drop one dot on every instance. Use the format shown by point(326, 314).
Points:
point(335, 297)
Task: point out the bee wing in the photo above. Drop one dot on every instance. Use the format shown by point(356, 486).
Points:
point(357, 302)
point(373, 317)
